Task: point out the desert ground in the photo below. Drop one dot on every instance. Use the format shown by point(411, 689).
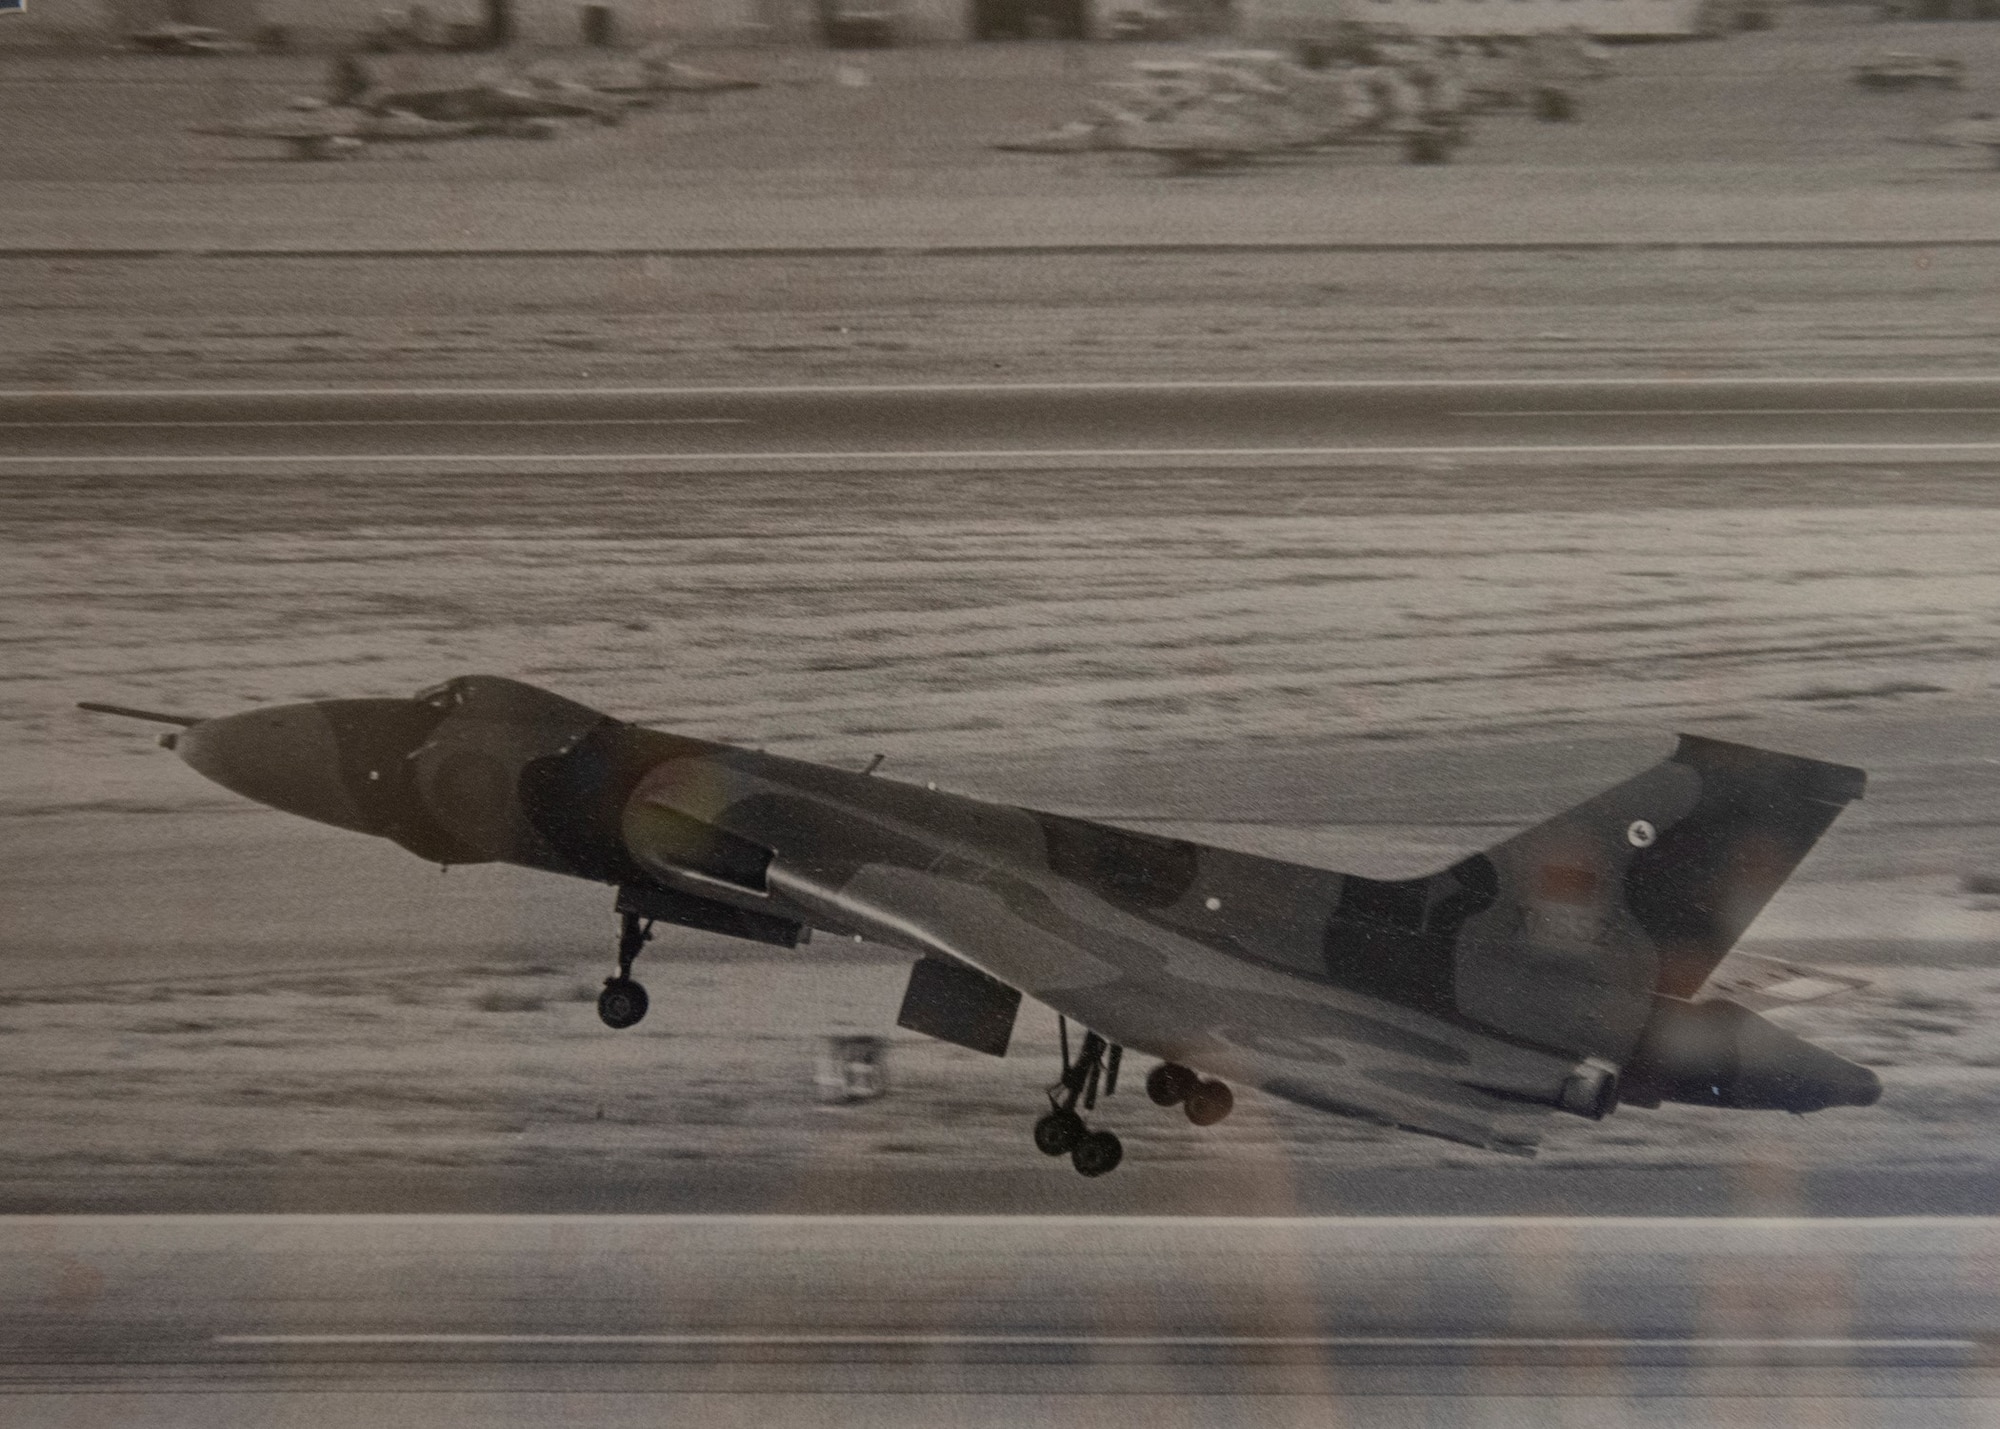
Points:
point(1372, 669)
point(793, 232)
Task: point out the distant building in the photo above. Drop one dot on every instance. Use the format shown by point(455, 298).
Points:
point(235, 16)
point(1940, 9)
point(1629, 19)
point(329, 23)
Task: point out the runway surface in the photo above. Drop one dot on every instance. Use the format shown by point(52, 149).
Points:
point(334, 1320)
point(971, 426)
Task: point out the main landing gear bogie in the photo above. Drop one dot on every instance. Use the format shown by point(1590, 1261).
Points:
point(1204, 1101)
point(1063, 1132)
point(623, 1002)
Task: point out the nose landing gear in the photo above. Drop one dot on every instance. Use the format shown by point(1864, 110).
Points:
point(1063, 1132)
point(623, 1002)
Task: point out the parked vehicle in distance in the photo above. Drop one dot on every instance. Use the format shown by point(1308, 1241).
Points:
point(177, 39)
point(860, 24)
point(1030, 19)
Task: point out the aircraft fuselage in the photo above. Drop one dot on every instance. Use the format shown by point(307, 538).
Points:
point(1515, 982)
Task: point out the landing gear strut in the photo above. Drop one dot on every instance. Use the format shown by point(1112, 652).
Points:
point(623, 1001)
point(1063, 1132)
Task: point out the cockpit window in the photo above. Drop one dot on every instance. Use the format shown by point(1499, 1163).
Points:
point(448, 695)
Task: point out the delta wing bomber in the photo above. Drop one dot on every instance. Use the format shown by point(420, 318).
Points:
point(1223, 108)
point(1228, 107)
point(1561, 971)
point(414, 99)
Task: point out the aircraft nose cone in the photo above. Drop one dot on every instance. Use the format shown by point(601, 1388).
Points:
point(287, 757)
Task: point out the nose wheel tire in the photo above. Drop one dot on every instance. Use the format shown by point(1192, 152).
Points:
point(1097, 1154)
point(1209, 1103)
point(622, 1003)
point(1059, 1133)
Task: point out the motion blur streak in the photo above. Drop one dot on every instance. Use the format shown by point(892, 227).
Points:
point(996, 1320)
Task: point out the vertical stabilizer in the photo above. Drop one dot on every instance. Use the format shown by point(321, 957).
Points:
point(1710, 874)
point(1640, 890)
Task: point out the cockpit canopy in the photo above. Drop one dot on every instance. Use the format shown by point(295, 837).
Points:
point(495, 697)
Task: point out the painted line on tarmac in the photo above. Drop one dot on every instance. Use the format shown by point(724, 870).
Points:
point(1003, 454)
point(229, 424)
point(1531, 412)
point(1330, 384)
point(1711, 1230)
point(1107, 249)
point(1512, 414)
point(702, 1340)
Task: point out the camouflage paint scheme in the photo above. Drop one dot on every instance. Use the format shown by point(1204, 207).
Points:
point(1467, 1004)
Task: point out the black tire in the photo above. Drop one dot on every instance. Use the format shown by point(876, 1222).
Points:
point(1059, 1133)
point(1097, 1154)
point(623, 1002)
point(1209, 1103)
point(1169, 1084)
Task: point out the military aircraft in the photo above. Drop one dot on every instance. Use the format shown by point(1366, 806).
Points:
point(1227, 108)
point(1559, 970)
point(171, 38)
point(313, 129)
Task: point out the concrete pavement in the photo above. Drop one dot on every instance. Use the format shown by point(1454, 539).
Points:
point(954, 426)
point(1373, 208)
point(964, 1319)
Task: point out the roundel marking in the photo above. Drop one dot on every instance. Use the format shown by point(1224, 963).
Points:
point(1641, 834)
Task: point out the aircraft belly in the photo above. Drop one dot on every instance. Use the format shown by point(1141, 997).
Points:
point(949, 915)
point(955, 879)
point(1158, 992)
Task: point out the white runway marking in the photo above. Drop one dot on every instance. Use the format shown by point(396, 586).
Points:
point(1333, 384)
point(1531, 412)
point(227, 424)
point(1509, 414)
point(1017, 453)
point(1808, 1230)
point(696, 1340)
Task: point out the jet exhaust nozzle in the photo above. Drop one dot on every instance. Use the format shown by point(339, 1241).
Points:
point(1719, 1054)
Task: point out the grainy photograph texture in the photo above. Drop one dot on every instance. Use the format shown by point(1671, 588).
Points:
point(1000, 711)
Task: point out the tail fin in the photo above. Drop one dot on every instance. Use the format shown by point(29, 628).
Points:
point(1642, 889)
point(1711, 872)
